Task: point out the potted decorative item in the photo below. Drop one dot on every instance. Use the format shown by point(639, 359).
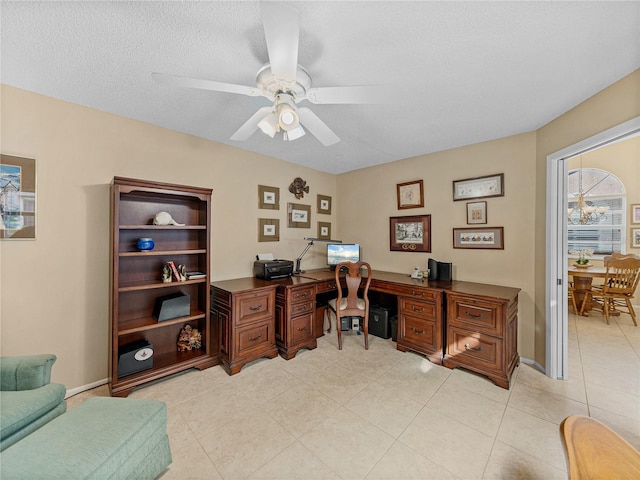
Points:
point(582, 260)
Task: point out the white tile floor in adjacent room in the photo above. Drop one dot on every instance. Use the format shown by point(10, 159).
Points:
point(383, 414)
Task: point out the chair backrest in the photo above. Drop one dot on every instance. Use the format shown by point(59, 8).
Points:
point(621, 256)
point(353, 280)
point(622, 275)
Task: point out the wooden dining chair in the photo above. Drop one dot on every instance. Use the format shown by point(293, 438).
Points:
point(572, 298)
point(596, 452)
point(620, 282)
point(355, 304)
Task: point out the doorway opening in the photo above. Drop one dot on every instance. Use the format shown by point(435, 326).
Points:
point(557, 349)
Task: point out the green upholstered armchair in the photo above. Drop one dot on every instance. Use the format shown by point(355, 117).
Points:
point(28, 399)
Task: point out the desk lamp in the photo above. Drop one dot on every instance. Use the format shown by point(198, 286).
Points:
point(297, 271)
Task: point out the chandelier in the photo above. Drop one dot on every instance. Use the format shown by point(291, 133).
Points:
point(585, 213)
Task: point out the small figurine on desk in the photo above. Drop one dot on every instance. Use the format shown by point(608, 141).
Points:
point(182, 270)
point(166, 273)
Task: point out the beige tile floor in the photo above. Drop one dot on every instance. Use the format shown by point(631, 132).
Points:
point(384, 414)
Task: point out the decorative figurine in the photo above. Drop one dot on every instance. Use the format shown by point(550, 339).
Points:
point(164, 218)
point(189, 339)
point(166, 273)
point(298, 187)
point(182, 270)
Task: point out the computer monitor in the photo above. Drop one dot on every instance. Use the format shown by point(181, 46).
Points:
point(342, 252)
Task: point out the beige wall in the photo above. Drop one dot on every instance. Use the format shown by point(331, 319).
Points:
point(612, 106)
point(55, 290)
point(368, 198)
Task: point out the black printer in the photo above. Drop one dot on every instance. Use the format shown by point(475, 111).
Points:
point(269, 269)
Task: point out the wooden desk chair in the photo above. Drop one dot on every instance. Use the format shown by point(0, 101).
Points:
point(596, 452)
point(572, 297)
point(352, 305)
point(620, 282)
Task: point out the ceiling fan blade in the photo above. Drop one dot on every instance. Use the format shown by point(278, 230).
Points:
point(364, 94)
point(251, 125)
point(175, 80)
point(282, 32)
point(317, 127)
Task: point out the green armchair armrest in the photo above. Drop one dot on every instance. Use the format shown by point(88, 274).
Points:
point(25, 372)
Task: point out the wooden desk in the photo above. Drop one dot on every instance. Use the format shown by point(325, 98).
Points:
point(582, 281)
point(453, 323)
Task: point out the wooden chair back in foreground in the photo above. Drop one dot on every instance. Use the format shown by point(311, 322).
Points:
point(620, 282)
point(596, 452)
point(352, 305)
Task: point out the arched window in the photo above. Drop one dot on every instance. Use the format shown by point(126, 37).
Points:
point(596, 211)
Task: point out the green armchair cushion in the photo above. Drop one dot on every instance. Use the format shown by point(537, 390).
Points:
point(25, 372)
point(27, 398)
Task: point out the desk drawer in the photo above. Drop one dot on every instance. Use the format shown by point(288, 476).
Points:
point(327, 286)
point(475, 349)
point(302, 328)
point(418, 332)
point(475, 314)
point(252, 307)
point(255, 337)
point(418, 308)
point(303, 294)
point(302, 308)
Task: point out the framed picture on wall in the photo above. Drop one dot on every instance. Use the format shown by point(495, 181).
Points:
point(268, 197)
point(268, 230)
point(324, 204)
point(324, 230)
point(479, 187)
point(298, 215)
point(410, 234)
point(410, 194)
point(476, 213)
point(635, 213)
point(635, 237)
point(17, 198)
point(484, 238)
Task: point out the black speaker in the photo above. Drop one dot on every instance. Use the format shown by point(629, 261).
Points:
point(445, 271)
point(432, 265)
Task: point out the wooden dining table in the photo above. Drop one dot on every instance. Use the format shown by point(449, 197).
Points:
point(582, 281)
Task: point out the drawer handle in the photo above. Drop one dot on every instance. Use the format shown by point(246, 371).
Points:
point(255, 338)
point(468, 347)
point(332, 286)
point(302, 329)
point(418, 332)
point(303, 295)
point(255, 309)
point(419, 310)
point(469, 314)
point(416, 294)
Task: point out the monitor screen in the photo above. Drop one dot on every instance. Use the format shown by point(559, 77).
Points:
point(342, 252)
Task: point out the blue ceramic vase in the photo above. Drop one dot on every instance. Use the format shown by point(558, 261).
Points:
point(145, 244)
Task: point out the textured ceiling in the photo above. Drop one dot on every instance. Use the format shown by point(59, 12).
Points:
point(458, 72)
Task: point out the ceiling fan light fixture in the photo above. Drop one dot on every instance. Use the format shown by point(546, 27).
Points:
point(269, 124)
point(294, 134)
point(287, 117)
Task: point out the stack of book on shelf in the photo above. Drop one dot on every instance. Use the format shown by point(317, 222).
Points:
point(195, 275)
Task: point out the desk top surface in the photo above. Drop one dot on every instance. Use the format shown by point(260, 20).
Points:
point(379, 278)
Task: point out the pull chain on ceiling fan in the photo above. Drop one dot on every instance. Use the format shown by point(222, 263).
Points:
point(285, 83)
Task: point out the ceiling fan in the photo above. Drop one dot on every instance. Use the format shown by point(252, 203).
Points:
point(285, 83)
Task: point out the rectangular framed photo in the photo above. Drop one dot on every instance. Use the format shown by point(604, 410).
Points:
point(476, 213)
point(635, 213)
point(298, 215)
point(268, 230)
point(268, 197)
point(17, 198)
point(635, 237)
point(479, 187)
point(483, 238)
point(410, 234)
point(324, 230)
point(324, 204)
point(410, 194)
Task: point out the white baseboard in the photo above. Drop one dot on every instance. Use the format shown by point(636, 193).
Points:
point(84, 388)
point(533, 363)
